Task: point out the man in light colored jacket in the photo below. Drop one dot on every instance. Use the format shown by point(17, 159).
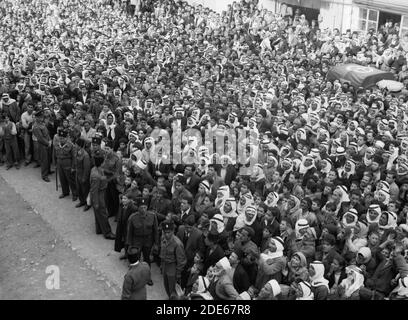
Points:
point(27, 124)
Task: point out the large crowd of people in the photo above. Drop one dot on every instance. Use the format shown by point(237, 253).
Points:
point(216, 143)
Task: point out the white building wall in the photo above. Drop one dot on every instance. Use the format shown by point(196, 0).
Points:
point(216, 5)
point(330, 16)
point(269, 5)
point(350, 17)
point(341, 14)
point(337, 14)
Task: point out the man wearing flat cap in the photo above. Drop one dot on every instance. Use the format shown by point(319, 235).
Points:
point(173, 258)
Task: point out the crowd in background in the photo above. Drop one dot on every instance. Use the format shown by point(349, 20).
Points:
point(315, 208)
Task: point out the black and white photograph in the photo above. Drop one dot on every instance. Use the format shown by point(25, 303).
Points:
point(211, 150)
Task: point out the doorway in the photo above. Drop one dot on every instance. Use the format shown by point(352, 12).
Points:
point(385, 16)
point(310, 13)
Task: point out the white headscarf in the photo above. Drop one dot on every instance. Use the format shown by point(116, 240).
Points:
point(191, 159)
point(224, 263)
point(300, 224)
point(192, 142)
point(352, 170)
point(377, 209)
point(354, 281)
point(302, 132)
point(223, 194)
point(318, 278)
point(386, 194)
point(352, 212)
point(391, 221)
point(111, 126)
point(219, 220)
point(257, 172)
point(226, 160)
point(344, 194)
point(328, 166)
point(204, 167)
point(402, 288)
point(302, 168)
point(249, 200)
point(233, 212)
point(272, 255)
point(276, 289)
point(366, 253)
point(274, 202)
point(307, 291)
point(202, 290)
point(242, 218)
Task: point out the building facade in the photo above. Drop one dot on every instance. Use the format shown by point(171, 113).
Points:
point(216, 5)
point(356, 15)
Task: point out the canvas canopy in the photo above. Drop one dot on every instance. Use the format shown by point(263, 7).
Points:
point(357, 75)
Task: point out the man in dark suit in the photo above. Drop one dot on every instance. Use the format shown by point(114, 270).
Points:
point(126, 209)
point(134, 284)
point(328, 252)
point(240, 277)
point(228, 173)
point(193, 241)
point(271, 220)
point(213, 251)
point(186, 210)
point(160, 167)
point(354, 203)
point(391, 263)
point(192, 180)
point(98, 185)
point(82, 94)
point(119, 134)
point(180, 192)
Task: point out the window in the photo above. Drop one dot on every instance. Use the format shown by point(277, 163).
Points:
point(367, 19)
point(404, 26)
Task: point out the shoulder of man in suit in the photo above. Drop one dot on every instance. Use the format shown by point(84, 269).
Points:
point(144, 264)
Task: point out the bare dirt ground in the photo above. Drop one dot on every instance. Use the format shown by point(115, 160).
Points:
point(28, 245)
point(37, 230)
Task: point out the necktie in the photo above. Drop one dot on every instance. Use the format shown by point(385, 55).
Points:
point(110, 133)
point(186, 238)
